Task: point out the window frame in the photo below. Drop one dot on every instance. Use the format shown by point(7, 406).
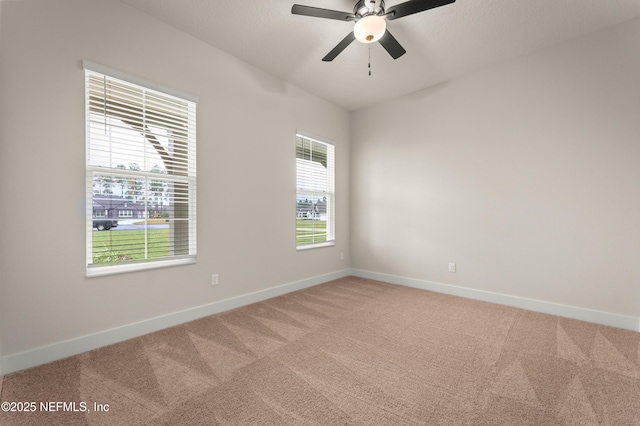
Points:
point(330, 192)
point(186, 179)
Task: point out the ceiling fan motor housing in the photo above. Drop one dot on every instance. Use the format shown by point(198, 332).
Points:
point(368, 7)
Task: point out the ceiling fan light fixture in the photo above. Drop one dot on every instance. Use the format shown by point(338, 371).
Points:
point(370, 28)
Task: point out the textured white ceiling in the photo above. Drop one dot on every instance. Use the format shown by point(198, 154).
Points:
point(441, 43)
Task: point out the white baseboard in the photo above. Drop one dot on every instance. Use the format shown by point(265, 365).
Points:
point(582, 314)
point(60, 350)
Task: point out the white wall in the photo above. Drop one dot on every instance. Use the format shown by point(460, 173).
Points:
point(527, 175)
point(246, 172)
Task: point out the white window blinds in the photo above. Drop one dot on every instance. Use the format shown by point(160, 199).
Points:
point(315, 195)
point(141, 176)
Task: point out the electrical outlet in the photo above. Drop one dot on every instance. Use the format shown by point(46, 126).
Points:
point(452, 267)
point(214, 279)
point(341, 256)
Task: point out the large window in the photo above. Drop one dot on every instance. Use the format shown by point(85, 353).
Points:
point(315, 195)
point(141, 174)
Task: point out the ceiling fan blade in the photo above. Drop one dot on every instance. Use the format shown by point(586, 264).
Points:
point(340, 47)
point(322, 13)
point(413, 6)
point(391, 45)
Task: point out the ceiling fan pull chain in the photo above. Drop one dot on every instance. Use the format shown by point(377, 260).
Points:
point(369, 59)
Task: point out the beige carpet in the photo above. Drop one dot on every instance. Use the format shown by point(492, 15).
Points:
point(349, 352)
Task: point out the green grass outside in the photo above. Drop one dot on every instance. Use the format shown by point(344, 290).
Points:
point(308, 223)
point(311, 231)
point(117, 246)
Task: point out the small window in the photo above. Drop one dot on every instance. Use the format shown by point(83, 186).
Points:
point(140, 165)
point(315, 195)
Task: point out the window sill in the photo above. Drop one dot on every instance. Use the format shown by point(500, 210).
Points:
point(100, 271)
point(317, 245)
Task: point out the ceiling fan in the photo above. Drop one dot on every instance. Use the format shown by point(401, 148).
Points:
point(370, 17)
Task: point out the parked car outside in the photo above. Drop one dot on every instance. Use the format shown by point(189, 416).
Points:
point(104, 224)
